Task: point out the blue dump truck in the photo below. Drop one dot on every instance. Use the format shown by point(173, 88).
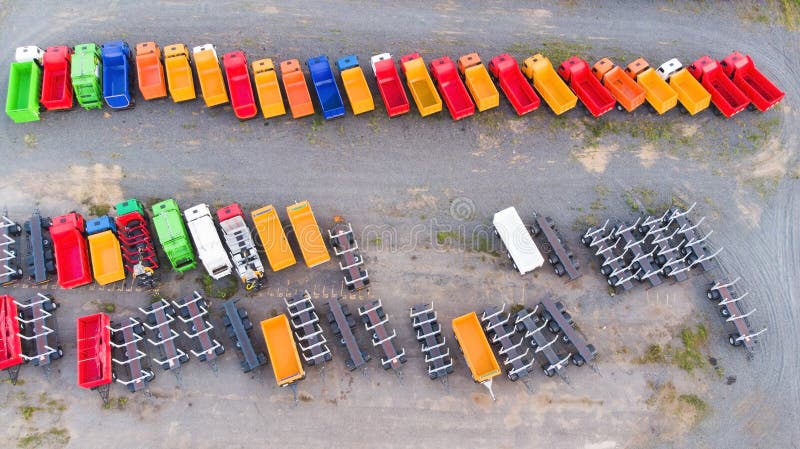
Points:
point(325, 84)
point(117, 74)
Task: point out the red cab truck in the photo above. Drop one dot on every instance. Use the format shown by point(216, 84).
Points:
point(452, 88)
point(56, 81)
point(512, 82)
point(728, 99)
point(741, 69)
point(242, 99)
point(72, 255)
point(389, 84)
point(597, 99)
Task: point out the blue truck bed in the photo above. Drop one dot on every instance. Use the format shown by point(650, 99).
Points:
point(116, 74)
point(325, 85)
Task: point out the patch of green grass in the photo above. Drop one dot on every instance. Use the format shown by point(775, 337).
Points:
point(516, 308)
point(107, 307)
point(317, 124)
point(98, 210)
point(585, 221)
point(188, 126)
point(597, 205)
point(490, 122)
point(443, 237)
point(700, 406)
point(223, 289)
point(789, 13)
point(484, 245)
point(689, 357)
point(30, 140)
point(654, 354)
point(54, 437)
point(27, 411)
point(764, 186)
point(640, 197)
point(376, 241)
point(521, 49)
point(558, 50)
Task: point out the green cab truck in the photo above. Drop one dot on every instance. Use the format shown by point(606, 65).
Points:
point(86, 76)
point(171, 231)
point(24, 84)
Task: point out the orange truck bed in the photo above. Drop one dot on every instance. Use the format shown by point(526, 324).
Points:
point(294, 83)
point(270, 231)
point(106, 257)
point(282, 350)
point(307, 233)
point(150, 71)
point(658, 93)
point(267, 88)
point(628, 94)
point(477, 352)
point(209, 74)
point(550, 86)
point(179, 74)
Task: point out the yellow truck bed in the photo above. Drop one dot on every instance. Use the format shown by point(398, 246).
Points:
point(421, 86)
point(268, 88)
point(478, 81)
point(307, 233)
point(658, 93)
point(179, 74)
point(270, 231)
point(477, 352)
point(355, 85)
point(691, 93)
point(282, 350)
point(210, 75)
point(106, 257)
point(550, 86)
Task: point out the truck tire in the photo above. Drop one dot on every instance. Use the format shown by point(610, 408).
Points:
point(587, 241)
point(535, 229)
point(733, 340)
point(606, 270)
point(578, 360)
point(548, 372)
point(724, 312)
point(559, 269)
point(713, 295)
point(552, 258)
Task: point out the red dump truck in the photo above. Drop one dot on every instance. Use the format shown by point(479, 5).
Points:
point(728, 99)
point(452, 88)
point(513, 83)
point(72, 256)
point(741, 69)
point(597, 99)
point(94, 351)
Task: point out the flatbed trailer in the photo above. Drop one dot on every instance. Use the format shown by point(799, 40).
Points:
point(56, 85)
point(560, 257)
point(479, 82)
point(375, 319)
point(268, 88)
point(614, 268)
point(512, 82)
point(692, 96)
point(534, 327)
point(550, 86)
point(344, 245)
point(477, 352)
point(39, 258)
point(93, 349)
point(355, 85)
point(127, 355)
point(452, 88)
point(420, 84)
point(10, 343)
point(241, 247)
point(694, 246)
point(628, 93)
point(307, 233)
point(389, 84)
point(342, 324)
point(138, 250)
point(41, 344)
point(158, 319)
point(641, 262)
point(305, 321)
point(297, 94)
point(758, 88)
point(282, 351)
point(330, 99)
point(730, 309)
point(209, 74)
point(726, 96)
point(71, 252)
point(105, 251)
point(238, 327)
point(193, 312)
point(150, 71)
point(433, 344)
point(179, 73)
point(561, 321)
point(594, 96)
point(10, 251)
point(273, 238)
point(517, 359)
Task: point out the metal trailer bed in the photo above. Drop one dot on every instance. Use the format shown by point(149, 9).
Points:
point(238, 327)
point(193, 312)
point(158, 317)
point(613, 266)
point(501, 333)
point(641, 262)
point(40, 340)
point(375, 319)
point(305, 321)
point(561, 258)
point(345, 246)
point(433, 343)
point(534, 326)
point(39, 260)
point(342, 324)
point(730, 309)
point(127, 355)
point(561, 321)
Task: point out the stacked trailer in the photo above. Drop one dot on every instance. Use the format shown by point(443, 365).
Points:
point(41, 344)
point(10, 269)
point(345, 246)
point(342, 324)
point(94, 353)
point(305, 322)
point(641, 262)
point(138, 252)
point(241, 247)
point(10, 344)
point(667, 253)
point(694, 245)
point(560, 322)
point(535, 327)
point(193, 311)
point(730, 308)
point(614, 268)
point(375, 319)
point(559, 256)
point(501, 332)
point(127, 355)
point(39, 258)
point(238, 327)
point(158, 317)
point(433, 344)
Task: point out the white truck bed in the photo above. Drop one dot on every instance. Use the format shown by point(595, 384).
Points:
point(207, 241)
point(517, 240)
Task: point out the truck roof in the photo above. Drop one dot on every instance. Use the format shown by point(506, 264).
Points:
point(517, 240)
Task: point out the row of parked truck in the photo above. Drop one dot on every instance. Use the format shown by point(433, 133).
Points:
point(54, 78)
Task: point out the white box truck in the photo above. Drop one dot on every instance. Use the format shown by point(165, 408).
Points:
point(207, 241)
point(519, 244)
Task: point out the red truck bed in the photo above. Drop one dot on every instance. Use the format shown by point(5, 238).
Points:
point(597, 99)
point(761, 91)
point(69, 244)
point(94, 351)
point(728, 98)
point(238, 75)
point(514, 84)
point(389, 84)
point(56, 82)
point(452, 88)
point(10, 344)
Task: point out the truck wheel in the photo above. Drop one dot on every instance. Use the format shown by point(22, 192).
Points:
point(535, 229)
point(606, 270)
point(564, 338)
point(733, 339)
point(724, 312)
point(612, 281)
point(586, 241)
point(559, 269)
point(713, 295)
point(553, 327)
point(578, 360)
point(548, 372)
point(552, 258)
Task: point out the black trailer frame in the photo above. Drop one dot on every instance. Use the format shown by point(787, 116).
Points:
point(729, 307)
point(560, 257)
point(128, 355)
point(561, 322)
point(500, 332)
point(342, 324)
point(39, 260)
point(238, 327)
point(345, 246)
point(158, 317)
point(193, 312)
point(375, 319)
point(534, 326)
point(38, 330)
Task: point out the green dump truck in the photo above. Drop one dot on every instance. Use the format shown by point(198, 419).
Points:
point(86, 75)
point(24, 84)
point(172, 234)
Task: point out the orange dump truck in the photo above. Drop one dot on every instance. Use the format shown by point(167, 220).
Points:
point(150, 71)
point(105, 251)
point(479, 82)
point(550, 86)
point(179, 74)
point(477, 352)
point(294, 83)
point(282, 350)
point(658, 93)
point(267, 88)
point(629, 95)
point(270, 231)
point(209, 73)
point(308, 234)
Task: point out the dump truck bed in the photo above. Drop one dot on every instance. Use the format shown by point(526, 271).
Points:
point(107, 264)
point(268, 88)
point(627, 92)
point(307, 233)
point(761, 91)
point(242, 99)
point(725, 95)
point(179, 73)
point(150, 71)
point(420, 84)
point(56, 86)
point(330, 100)
point(209, 74)
point(116, 74)
point(282, 350)
point(477, 352)
point(691, 93)
point(71, 253)
point(389, 84)
point(479, 82)
point(10, 343)
point(273, 238)
point(297, 94)
point(513, 83)
point(597, 99)
point(658, 92)
point(452, 88)
point(24, 83)
point(94, 351)
point(550, 86)
point(355, 85)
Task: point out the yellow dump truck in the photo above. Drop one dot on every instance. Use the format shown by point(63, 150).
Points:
point(268, 88)
point(692, 95)
point(477, 352)
point(105, 251)
point(282, 350)
point(270, 231)
point(478, 81)
point(355, 85)
point(420, 84)
point(658, 93)
point(550, 86)
point(209, 73)
point(308, 234)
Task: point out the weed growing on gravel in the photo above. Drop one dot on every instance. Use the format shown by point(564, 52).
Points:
point(212, 289)
point(27, 411)
point(699, 405)
point(55, 437)
point(688, 358)
point(653, 354)
point(516, 308)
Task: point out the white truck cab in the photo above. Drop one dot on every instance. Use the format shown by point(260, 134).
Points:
point(519, 244)
point(207, 241)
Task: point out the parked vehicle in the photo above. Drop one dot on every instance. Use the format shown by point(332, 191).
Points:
point(727, 98)
point(179, 73)
point(242, 99)
point(282, 350)
point(342, 324)
point(172, 234)
point(39, 258)
point(24, 84)
point(330, 100)
point(10, 251)
point(343, 242)
point(150, 71)
point(391, 89)
point(658, 93)
point(38, 330)
point(267, 88)
point(520, 247)
point(105, 250)
point(428, 332)
point(420, 84)
point(94, 351)
point(297, 94)
point(550, 86)
point(628, 93)
point(56, 86)
point(375, 321)
point(355, 85)
point(206, 63)
point(241, 247)
point(72, 256)
point(207, 241)
point(117, 74)
point(159, 317)
point(130, 362)
point(85, 74)
point(305, 322)
point(452, 88)
point(517, 89)
point(479, 82)
point(517, 359)
point(193, 311)
point(596, 98)
point(560, 256)
point(10, 343)
point(758, 88)
point(691, 95)
point(238, 327)
point(477, 352)
point(273, 239)
point(307, 233)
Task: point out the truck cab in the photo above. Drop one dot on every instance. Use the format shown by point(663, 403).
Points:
point(207, 241)
point(117, 74)
point(726, 96)
point(761, 91)
point(85, 73)
point(56, 88)
point(150, 71)
point(172, 234)
point(520, 247)
point(24, 84)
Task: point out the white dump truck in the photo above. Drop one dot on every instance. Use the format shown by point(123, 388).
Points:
point(241, 246)
point(207, 241)
point(520, 247)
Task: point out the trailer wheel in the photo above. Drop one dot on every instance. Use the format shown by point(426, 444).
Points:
point(587, 241)
point(578, 360)
point(564, 338)
point(60, 352)
point(559, 269)
point(713, 294)
point(553, 327)
point(733, 339)
point(606, 270)
point(548, 372)
point(612, 281)
point(535, 229)
point(724, 312)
